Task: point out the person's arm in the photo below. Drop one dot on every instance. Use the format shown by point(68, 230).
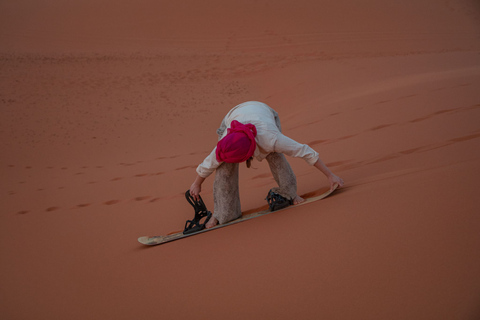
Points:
point(209, 165)
point(204, 170)
point(292, 148)
point(332, 178)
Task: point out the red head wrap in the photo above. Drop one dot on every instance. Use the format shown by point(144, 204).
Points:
point(239, 143)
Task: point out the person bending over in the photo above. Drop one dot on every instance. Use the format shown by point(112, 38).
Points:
point(252, 130)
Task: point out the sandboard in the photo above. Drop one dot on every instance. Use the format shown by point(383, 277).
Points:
point(157, 240)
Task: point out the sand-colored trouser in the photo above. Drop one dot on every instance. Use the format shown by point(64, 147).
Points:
point(226, 195)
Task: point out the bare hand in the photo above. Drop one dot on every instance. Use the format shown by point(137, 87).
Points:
point(335, 180)
point(195, 190)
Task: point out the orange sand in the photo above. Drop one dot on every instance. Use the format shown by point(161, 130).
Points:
point(108, 108)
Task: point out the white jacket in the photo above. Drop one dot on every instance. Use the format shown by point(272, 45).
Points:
point(269, 137)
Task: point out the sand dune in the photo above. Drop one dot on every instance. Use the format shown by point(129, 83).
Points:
point(107, 109)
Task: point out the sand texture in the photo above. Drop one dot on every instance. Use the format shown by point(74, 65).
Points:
point(107, 107)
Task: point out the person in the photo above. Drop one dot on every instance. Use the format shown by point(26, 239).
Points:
point(252, 130)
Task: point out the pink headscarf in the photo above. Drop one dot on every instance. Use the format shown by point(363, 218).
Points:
point(239, 143)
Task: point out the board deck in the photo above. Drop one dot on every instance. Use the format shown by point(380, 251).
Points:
point(157, 240)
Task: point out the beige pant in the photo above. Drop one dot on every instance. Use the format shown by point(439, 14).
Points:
point(226, 195)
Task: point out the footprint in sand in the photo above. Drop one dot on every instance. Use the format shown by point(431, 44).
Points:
point(141, 175)
point(315, 142)
point(410, 151)
point(382, 126)
point(109, 203)
point(142, 198)
point(347, 137)
point(186, 167)
point(465, 138)
point(338, 163)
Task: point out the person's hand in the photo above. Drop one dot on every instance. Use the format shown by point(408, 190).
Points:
point(334, 179)
point(196, 187)
point(195, 190)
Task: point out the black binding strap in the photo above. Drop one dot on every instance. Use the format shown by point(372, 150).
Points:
point(200, 213)
point(276, 201)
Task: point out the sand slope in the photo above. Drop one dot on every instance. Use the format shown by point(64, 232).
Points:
point(108, 108)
